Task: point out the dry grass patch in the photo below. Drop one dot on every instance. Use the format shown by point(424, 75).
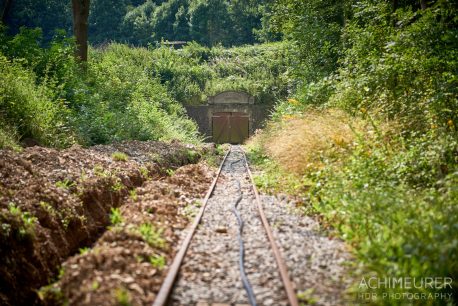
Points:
point(305, 143)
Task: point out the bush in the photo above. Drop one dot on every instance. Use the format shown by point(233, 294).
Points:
point(32, 109)
point(128, 103)
point(8, 137)
point(196, 72)
point(406, 72)
point(400, 227)
point(45, 96)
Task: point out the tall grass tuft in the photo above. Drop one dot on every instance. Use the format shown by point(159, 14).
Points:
point(305, 142)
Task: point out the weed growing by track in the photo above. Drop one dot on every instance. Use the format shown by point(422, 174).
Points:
point(383, 175)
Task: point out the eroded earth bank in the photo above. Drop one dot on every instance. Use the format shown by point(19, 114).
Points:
point(101, 225)
point(102, 221)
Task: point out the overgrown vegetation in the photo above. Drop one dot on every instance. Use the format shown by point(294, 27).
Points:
point(123, 93)
point(384, 174)
point(45, 96)
point(368, 135)
point(196, 72)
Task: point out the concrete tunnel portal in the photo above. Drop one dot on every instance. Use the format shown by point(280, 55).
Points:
point(229, 117)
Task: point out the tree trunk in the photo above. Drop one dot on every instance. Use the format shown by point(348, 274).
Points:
point(423, 4)
point(80, 25)
point(6, 9)
point(395, 7)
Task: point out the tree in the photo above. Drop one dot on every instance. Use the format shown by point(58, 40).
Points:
point(246, 18)
point(105, 20)
point(315, 28)
point(181, 24)
point(210, 22)
point(80, 28)
point(5, 10)
point(164, 20)
point(423, 4)
point(136, 26)
point(48, 15)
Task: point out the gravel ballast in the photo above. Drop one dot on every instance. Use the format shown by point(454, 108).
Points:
point(210, 271)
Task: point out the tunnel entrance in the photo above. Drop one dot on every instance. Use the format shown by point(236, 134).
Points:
point(229, 116)
point(230, 127)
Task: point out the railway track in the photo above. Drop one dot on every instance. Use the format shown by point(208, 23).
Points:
point(229, 255)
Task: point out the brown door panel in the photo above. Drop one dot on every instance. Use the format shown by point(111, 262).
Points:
point(221, 129)
point(238, 129)
point(230, 127)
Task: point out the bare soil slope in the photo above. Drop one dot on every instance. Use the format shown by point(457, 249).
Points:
point(52, 203)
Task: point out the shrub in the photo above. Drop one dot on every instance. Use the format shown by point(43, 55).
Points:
point(400, 228)
point(30, 108)
point(128, 103)
point(8, 137)
point(404, 72)
point(152, 235)
point(157, 261)
point(119, 156)
point(116, 216)
point(45, 96)
point(306, 142)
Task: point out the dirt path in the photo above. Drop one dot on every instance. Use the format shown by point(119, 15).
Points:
point(128, 263)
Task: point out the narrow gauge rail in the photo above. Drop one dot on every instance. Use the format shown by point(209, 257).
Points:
point(167, 286)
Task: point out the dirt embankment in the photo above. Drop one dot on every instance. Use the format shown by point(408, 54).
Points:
point(52, 203)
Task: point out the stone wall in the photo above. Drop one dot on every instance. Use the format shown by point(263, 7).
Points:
point(202, 114)
point(231, 97)
point(229, 101)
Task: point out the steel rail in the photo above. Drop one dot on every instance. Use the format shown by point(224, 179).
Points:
point(167, 286)
point(246, 282)
point(291, 294)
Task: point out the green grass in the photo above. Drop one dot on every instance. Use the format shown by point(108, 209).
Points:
point(119, 156)
point(8, 138)
point(272, 178)
point(116, 217)
point(393, 203)
point(30, 109)
point(152, 235)
point(26, 219)
point(84, 250)
point(157, 261)
point(65, 184)
point(123, 297)
point(117, 185)
point(133, 194)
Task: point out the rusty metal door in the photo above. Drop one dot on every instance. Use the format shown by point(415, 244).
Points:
point(220, 126)
point(230, 127)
